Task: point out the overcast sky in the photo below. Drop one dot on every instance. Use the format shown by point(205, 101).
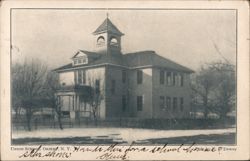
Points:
point(188, 37)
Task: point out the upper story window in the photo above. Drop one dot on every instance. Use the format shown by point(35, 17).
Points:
point(80, 60)
point(169, 78)
point(80, 77)
point(139, 77)
point(175, 79)
point(162, 76)
point(182, 80)
point(179, 79)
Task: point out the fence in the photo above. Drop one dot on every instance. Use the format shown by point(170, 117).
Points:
point(50, 122)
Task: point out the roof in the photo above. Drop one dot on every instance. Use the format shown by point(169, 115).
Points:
point(107, 26)
point(116, 59)
point(133, 60)
point(88, 53)
point(145, 58)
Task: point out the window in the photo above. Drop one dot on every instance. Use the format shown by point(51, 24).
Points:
point(161, 76)
point(175, 79)
point(97, 86)
point(113, 41)
point(139, 77)
point(181, 103)
point(75, 61)
point(162, 102)
point(100, 40)
point(113, 87)
point(65, 114)
point(124, 76)
point(168, 103)
point(76, 77)
point(175, 104)
point(182, 80)
point(84, 60)
point(169, 78)
point(81, 77)
point(139, 103)
point(80, 60)
point(124, 103)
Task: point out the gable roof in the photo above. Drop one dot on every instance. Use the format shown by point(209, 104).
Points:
point(107, 26)
point(132, 60)
point(99, 59)
point(145, 58)
point(88, 53)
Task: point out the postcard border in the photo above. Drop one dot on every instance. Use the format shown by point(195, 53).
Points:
point(106, 9)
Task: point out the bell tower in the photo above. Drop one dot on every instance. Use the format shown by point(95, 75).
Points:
point(108, 38)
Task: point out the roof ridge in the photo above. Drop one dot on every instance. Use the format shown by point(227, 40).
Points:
point(88, 51)
point(140, 52)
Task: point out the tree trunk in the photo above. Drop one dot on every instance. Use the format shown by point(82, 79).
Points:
point(206, 108)
point(60, 122)
point(95, 119)
point(57, 107)
point(224, 110)
point(58, 111)
point(28, 118)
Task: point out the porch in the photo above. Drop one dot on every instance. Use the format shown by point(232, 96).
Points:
point(73, 101)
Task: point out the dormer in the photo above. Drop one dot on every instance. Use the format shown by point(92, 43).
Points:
point(84, 57)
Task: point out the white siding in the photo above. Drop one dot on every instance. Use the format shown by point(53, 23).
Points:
point(95, 74)
point(67, 78)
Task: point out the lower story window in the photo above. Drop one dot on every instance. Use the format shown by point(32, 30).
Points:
point(97, 86)
point(162, 102)
point(168, 103)
point(124, 103)
point(113, 87)
point(174, 103)
point(65, 113)
point(181, 103)
point(139, 103)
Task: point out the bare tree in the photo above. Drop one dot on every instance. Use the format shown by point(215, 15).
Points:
point(95, 96)
point(215, 86)
point(225, 86)
point(27, 84)
point(202, 85)
point(50, 89)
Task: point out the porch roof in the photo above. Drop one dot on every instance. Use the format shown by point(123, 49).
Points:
point(83, 89)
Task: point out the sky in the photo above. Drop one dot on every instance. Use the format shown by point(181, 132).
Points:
point(188, 37)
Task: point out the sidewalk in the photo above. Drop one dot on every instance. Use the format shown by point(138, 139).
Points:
point(125, 134)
